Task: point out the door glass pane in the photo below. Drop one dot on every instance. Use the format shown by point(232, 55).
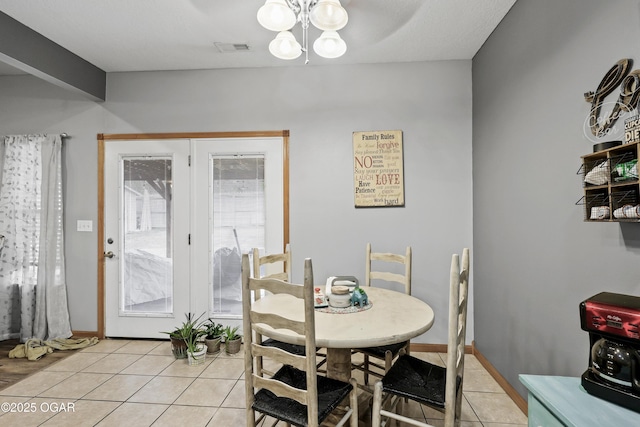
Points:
point(238, 225)
point(147, 276)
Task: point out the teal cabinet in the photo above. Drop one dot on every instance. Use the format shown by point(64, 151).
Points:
point(561, 401)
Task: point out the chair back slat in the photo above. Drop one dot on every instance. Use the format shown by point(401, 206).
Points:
point(387, 257)
point(281, 276)
point(276, 286)
point(270, 259)
point(278, 322)
point(387, 276)
point(280, 389)
point(298, 362)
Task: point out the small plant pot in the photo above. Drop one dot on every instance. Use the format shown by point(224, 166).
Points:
point(213, 345)
point(178, 348)
point(233, 346)
point(197, 357)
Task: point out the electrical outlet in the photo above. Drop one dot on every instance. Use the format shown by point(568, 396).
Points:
point(85, 225)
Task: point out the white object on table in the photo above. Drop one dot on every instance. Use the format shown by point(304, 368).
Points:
point(349, 281)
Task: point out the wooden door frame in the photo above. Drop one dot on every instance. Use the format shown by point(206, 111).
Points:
point(284, 134)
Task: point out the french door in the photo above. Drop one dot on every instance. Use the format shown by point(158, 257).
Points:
point(238, 205)
point(178, 214)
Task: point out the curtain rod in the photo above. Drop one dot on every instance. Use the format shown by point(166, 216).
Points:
point(64, 135)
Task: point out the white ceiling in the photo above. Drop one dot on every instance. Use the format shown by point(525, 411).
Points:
point(143, 35)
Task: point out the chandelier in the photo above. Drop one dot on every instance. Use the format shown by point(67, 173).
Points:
point(326, 15)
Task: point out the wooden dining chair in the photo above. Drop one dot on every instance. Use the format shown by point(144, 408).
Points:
point(281, 263)
point(295, 394)
point(421, 381)
point(276, 266)
point(402, 281)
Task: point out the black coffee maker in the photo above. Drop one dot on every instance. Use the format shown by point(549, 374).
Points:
point(613, 323)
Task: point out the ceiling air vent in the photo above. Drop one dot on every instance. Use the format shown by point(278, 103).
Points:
point(232, 47)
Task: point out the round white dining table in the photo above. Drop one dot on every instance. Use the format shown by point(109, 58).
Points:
point(392, 318)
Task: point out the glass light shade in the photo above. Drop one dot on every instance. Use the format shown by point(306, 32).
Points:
point(285, 46)
point(330, 45)
point(275, 15)
point(328, 15)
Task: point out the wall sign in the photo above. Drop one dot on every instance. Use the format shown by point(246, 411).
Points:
point(378, 171)
point(629, 83)
point(632, 130)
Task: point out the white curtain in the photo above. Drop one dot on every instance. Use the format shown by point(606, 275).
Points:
point(33, 294)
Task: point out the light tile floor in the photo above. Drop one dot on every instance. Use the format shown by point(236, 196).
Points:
point(138, 383)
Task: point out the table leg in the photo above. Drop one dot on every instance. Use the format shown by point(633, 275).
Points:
point(339, 363)
point(339, 368)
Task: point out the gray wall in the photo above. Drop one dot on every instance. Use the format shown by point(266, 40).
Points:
point(321, 106)
point(535, 258)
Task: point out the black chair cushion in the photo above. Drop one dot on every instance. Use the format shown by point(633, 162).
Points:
point(417, 380)
point(381, 350)
point(298, 350)
point(330, 393)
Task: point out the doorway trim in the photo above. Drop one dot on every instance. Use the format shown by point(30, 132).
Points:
point(183, 135)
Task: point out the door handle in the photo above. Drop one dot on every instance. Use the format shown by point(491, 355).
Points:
point(109, 254)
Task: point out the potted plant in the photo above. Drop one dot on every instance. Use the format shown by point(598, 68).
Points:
point(232, 340)
point(213, 335)
point(181, 334)
point(196, 348)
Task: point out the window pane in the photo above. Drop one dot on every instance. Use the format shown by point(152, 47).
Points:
point(238, 217)
point(147, 278)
